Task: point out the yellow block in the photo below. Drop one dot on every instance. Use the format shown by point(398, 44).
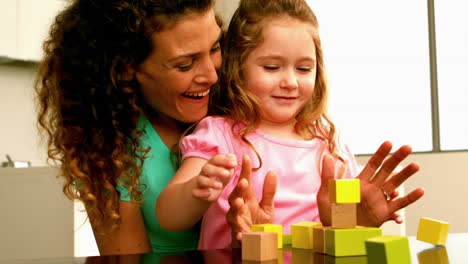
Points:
point(432, 231)
point(436, 255)
point(270, 228)
point(302, 234)
point(345, 190)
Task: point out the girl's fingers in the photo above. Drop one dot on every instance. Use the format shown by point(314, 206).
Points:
point(213, 171)
point(228, 161)
point(404, 201)
point(246, 171)
point(390, 164)
point(238, 192)
point(269, 191)
point(396, 180)
point(397, 218)
point(239, 236)
point(204, 182)
point(328, 169)
point(203, 194)
point(394, 194)
point(375, 161)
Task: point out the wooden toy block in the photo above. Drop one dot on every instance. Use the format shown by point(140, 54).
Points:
point(319, 238)
point(270, 228)
point(287, 239)
point(432, 231)
point(345, 190)
point(259, 246)
point(273, 261)
point(388, 250)
point(436, 255)
point(349, 242)
point(302, 234)
point(344, 215)
point(344, 260)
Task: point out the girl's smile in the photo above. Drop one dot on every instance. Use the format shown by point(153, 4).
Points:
point(281, 72)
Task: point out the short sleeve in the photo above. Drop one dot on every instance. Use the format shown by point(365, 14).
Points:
point(124, 195)
point(206, 141)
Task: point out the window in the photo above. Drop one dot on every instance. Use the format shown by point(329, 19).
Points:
point(377, 59)
point(452, 69)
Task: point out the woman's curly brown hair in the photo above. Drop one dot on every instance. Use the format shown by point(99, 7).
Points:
point(88, 105)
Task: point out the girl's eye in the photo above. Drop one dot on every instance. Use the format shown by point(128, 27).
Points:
point(184, 67)
point(270, 67)
point(304, 69)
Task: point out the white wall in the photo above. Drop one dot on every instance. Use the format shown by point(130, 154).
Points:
point(65, 221)
point(225, 9)
point(18, 134)
point(36, 219)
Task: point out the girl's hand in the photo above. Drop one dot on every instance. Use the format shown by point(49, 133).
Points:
point(214, 175)
point(379, 198)
point(245, 209)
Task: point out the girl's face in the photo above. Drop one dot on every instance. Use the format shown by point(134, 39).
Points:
point(177, 76)
point(281, 71)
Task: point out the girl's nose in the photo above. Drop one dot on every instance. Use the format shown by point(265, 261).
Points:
point(289, 80)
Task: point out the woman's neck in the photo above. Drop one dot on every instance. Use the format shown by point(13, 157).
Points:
point(168, 129)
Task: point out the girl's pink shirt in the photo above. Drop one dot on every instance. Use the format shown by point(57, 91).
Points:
point(297, 164)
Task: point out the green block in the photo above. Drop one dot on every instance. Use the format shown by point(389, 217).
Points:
point(388, 250)
point(349, 241)
point(302, 234)
point(345, 190)
point(270, 228)
point(345, 260)
point(287, 239)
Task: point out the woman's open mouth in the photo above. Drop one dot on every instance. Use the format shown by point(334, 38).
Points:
point(196, 95)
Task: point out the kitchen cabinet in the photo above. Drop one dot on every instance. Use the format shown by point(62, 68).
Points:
point(24, 25)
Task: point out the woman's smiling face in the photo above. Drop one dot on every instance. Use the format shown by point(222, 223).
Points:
point(177, 76)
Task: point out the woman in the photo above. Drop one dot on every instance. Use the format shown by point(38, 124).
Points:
point(119, 83)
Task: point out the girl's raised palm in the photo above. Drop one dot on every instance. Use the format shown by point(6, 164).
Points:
point(379, 198)
point(245, 210)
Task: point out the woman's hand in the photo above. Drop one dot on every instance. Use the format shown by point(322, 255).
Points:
point(245, 209)
point(214, 176)
point(379, 197)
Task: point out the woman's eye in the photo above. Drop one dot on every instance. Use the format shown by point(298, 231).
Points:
point(185, 67)
point(216, 48)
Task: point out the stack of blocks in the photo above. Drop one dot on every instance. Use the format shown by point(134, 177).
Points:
point(343, 238)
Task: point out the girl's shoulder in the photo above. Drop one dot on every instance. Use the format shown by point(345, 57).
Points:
point(216, 121)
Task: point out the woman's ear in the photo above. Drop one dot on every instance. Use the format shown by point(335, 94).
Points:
point(129, 74)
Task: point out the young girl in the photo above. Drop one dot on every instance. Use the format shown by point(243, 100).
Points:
point(271, 107)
